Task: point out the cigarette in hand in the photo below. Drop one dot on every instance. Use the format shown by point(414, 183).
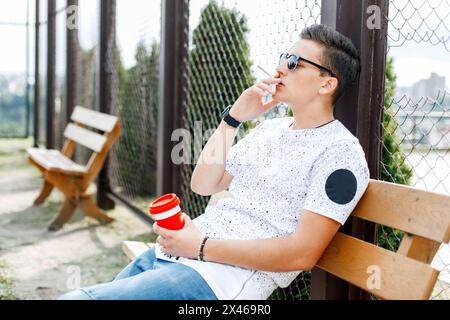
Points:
point(269, 96)
point(263, 70)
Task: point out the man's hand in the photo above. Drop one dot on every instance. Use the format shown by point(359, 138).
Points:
point(181, 243)
point(250, 104)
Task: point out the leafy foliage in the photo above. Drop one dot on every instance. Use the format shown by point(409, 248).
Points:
point(393, 167)
point(138, 111)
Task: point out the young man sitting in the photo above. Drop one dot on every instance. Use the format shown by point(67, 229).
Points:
point(292, 181)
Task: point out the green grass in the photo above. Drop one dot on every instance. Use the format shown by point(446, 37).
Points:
point(13, 154)
point(12, 157)
point(14, 146)
point(6, 291)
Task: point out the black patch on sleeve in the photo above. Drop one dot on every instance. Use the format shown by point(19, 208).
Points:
point(341, 186)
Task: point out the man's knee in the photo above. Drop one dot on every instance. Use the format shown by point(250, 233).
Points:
point(75, 295)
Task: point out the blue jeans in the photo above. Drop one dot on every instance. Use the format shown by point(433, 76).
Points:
point(149, 278)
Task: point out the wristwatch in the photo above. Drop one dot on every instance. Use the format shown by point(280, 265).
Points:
point(229, 119)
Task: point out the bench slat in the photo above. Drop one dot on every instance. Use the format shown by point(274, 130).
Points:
point(133, 249)
point(85, 137)
point(400, 277)
point(418, 212)
point(54, 160)
point(94, 119)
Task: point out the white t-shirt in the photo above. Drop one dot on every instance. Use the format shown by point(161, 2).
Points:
point(277, 172)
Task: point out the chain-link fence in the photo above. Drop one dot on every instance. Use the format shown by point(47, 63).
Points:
point(416, 125)
point(88, 63)
point(88, 40)
point(225, 38)
point(134, 157)
point(228, 40)
point(15, 28)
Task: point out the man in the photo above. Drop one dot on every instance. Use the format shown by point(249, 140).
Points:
point(293, 182)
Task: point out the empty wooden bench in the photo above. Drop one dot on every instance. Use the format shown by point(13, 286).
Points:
point(405, 274)
point(70, 178)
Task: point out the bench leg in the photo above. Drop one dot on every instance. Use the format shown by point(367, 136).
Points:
point(68, 209)
point(66, 212)
point(91, 209)
point(45, 192)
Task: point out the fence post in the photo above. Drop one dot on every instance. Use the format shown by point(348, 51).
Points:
point(37, 95)
point(172, 96)
point(106, 90)
point(72, 65)
point(51, 77)
point(361, 111)
point(27, 76)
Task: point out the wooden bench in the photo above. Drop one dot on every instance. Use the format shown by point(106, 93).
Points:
point(73, 179)
point(405, 274)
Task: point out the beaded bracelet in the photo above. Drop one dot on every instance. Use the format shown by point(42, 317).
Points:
point(200, 251)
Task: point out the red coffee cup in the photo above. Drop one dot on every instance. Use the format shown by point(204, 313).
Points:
point(166, 212)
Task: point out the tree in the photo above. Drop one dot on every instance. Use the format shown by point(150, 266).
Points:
point(219, 71)
point(12, 109)
point(138, 111)
point(220, 65)
point(86, 96)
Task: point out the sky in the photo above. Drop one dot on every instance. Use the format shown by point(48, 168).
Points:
point(274, 26)
point(13, 40)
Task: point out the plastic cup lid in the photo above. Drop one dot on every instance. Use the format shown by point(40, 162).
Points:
point(164, 203)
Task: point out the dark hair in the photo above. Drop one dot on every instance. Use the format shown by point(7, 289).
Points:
point(339, 55)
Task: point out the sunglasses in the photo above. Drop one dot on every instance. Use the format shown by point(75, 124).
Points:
point(293, 61)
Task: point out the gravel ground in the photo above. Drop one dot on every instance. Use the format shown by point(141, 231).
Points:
point(37, 264)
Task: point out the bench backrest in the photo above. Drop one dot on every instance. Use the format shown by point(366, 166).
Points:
point(405, 274)
point(78, 132)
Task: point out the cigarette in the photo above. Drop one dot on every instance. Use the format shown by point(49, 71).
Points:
point(266, 72)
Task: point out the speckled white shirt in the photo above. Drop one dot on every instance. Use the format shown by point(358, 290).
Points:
point(277, 172)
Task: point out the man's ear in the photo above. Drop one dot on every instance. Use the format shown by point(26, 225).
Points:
point(329, 86)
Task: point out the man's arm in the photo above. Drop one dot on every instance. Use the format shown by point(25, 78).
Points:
point(209, 176)
point(298, 251)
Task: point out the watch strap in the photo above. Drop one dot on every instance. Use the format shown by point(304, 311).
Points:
point(229, 119)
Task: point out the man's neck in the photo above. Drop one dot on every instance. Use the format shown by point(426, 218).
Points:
point(305, 120)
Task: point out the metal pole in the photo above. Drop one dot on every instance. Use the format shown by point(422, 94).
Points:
point(27, 74)
point(369, 117)
point(72, 64)
point(174, 38)
point(106, 90)
point(51, 76)
point(361, 111)
point(37, 95)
